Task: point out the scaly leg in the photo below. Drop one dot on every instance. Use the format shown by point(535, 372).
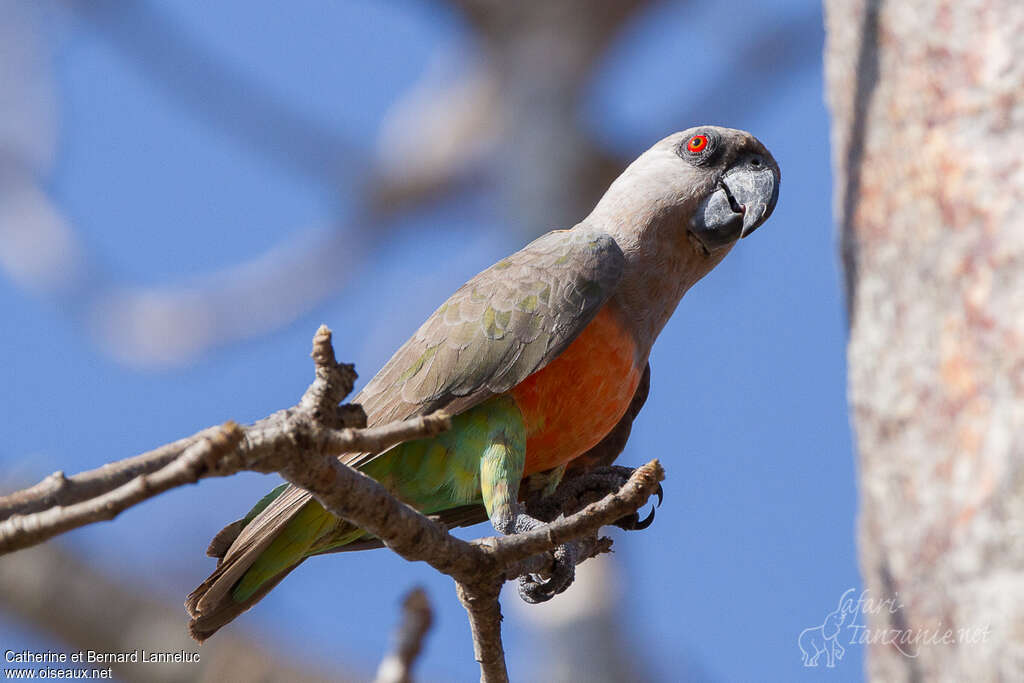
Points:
point(501, 469)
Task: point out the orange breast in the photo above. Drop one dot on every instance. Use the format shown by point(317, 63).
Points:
point(571, 404)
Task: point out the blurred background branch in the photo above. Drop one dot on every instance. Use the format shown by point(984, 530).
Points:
point(58, 593)
point(417, 617)
point(521, 101)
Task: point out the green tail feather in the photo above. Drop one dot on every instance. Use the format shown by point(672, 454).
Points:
point(290, 546)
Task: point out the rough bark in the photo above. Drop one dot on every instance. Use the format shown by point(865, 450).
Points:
point(928, 149)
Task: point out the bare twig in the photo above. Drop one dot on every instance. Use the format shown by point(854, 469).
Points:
point(377, 439)
point(417, 617)
point(59, 504)
point(301, 444)
point(333, 381)
point(221, 451)
point(57, 489)
point(21, 531)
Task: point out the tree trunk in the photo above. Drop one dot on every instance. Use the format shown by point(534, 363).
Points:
point(927, 98)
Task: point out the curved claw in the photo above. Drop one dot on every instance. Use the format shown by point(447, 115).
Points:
point(640, 526)
point(660, 493)
point(634, 523)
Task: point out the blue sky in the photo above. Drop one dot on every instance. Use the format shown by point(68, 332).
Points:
point(756, 538)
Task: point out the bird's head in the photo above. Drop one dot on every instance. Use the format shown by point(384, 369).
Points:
point(708, 185)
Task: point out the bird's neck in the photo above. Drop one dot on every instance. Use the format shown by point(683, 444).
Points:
point(662, 262)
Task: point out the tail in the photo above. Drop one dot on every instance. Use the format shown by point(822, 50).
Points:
point(277, 535)
point(208, 617)
point(256, 552)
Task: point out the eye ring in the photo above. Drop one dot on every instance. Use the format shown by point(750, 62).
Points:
point(699, 148)
point(697, 144)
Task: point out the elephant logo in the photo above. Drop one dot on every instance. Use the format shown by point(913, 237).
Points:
point(824, 639)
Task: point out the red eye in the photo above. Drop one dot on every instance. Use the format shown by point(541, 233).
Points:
point(697, 143)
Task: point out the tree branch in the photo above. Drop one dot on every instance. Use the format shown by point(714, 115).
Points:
point(484, 613)
point(22, 531)
point(58, 489)
point(219, 451)
point(334, 380)
point(302, 444)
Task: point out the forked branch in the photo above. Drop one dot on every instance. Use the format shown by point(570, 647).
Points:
point(302, 444)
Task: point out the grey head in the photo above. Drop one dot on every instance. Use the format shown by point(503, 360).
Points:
point(678, 210)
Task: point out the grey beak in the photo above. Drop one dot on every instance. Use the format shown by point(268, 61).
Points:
point(756, 190)
point(745, 198)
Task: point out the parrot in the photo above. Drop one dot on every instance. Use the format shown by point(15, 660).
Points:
point(537, 359)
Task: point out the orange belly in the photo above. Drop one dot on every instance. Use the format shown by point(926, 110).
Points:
point(571, 404)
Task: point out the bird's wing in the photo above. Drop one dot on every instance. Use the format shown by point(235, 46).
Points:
point(497, 329)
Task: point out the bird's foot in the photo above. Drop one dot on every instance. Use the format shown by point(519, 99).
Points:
point(534, 588)
point(572, 495)
point(576, 492)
